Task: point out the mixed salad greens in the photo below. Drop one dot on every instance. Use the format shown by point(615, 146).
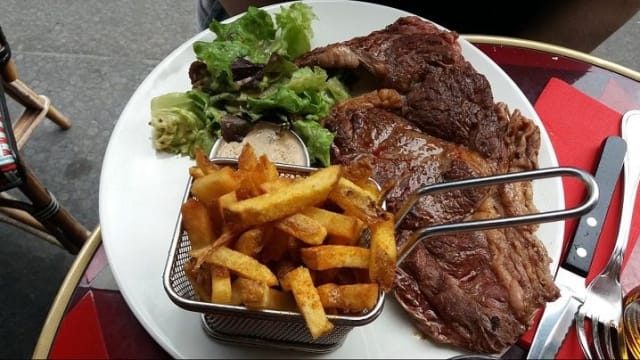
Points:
point(247, 74)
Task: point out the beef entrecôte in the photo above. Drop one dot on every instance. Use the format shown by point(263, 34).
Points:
point(434, 119)
point(445, 96)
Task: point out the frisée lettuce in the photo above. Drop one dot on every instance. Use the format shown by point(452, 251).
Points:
point(248, 72)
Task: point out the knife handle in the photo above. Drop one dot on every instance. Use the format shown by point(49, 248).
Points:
point(585, 238)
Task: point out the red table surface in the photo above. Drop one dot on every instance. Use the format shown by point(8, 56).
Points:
point(97, 322)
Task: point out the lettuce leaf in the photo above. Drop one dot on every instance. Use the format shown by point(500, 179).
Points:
point(307, 92)
point(317, 138)
point(255, 37)
point(294, 22)
point(218, 56)
point(255, 26)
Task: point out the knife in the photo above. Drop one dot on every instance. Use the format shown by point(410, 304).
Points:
point(570, 278)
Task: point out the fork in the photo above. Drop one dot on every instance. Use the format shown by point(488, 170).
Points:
point(603, 300)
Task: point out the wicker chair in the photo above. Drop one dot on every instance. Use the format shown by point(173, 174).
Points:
point(25, 202)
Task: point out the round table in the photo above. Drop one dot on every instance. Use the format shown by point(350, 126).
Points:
point(88, 293)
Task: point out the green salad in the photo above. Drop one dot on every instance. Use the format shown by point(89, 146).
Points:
point(247, 73)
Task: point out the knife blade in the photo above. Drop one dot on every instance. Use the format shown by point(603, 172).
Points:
point(570, 277)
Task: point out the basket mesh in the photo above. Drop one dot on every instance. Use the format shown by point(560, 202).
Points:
point(273, 330)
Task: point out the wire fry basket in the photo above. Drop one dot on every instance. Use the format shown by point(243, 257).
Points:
point(239, 325)
point(286, 329)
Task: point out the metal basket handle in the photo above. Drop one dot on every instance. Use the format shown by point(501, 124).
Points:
point(547, 216)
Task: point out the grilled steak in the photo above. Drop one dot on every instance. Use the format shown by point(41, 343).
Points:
point(445, 96)
point(479, 290)
point(434, 119)
point(476, 290)
point(367, 130)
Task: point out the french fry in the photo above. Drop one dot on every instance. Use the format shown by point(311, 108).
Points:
point(358, 172)
point(250, 242)
point(242, 264)
point(215, 210)
point(354, 200)
point(269, 168)
point(308, 301)
point(214, 184)
point(195, 172)
point(257, 295)
point(235, 296)
point(202, 254)
point(247, 160)
point(325, 257)
point(247, 187)
point(282, 268)
point(382, 263)
point(226, 200)
point(200, 279)
point(262, 172)
point(281, 203)
point(196, 221)
point(349, 298)
point(303, 227)
point(203, 163)
point(252, 172)
point(275, 300)
point(215, 214)
point(278, 183)
point(372, 189)
point(343, 226)
point(220, 285)
point(250, 290)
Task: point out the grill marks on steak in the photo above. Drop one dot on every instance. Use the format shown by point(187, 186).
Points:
point(444, 95)
point(367, 129)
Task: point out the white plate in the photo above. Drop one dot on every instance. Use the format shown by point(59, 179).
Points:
point(141, 192)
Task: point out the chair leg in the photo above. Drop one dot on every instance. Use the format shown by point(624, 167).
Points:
point(55, 218)
point(20, 92)
point(56, 116)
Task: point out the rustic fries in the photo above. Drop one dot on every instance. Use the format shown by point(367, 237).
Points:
point(269, 241)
